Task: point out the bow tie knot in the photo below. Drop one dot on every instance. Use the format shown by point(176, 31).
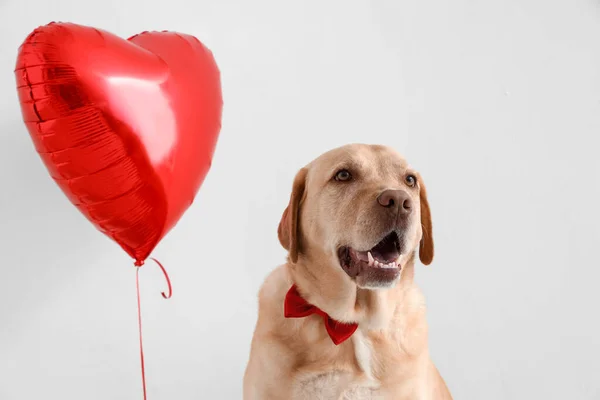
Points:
point(296, 307)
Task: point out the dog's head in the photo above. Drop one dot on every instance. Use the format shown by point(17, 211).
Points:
point(359, 209)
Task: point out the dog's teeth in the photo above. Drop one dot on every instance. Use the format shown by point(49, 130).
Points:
point(390, 265)
point(378, 264)
point(371, 259)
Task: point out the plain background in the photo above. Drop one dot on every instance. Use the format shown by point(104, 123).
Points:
point(497, 103)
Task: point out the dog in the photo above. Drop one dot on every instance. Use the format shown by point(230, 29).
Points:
point(343, 319)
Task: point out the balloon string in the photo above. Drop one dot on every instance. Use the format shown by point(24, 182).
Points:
point(139, 308)
point(166, 278)
point(138, 265)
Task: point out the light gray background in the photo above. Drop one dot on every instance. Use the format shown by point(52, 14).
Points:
point(496, 102)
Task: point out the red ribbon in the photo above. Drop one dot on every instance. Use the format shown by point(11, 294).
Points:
point(138, 265)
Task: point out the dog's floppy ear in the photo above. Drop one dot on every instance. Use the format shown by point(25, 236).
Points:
point(426, 245)
point(288, 230)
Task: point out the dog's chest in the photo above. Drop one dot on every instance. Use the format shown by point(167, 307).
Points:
point(334, 386)
point(357, 383)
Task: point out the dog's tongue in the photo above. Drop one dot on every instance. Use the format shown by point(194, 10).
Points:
point(383, 252)
point(386, 255)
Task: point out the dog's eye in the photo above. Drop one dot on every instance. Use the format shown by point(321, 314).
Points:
point(411, 180)
point(343, 175)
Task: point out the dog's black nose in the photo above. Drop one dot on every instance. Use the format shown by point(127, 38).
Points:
point(395, 198)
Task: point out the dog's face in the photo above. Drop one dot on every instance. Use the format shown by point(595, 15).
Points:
point(361, 208)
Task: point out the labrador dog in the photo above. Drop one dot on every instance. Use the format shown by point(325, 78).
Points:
point(343, 319)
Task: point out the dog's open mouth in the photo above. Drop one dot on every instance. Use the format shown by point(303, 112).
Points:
point(377, 265)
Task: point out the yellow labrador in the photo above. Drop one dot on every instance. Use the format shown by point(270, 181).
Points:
point(343, 318)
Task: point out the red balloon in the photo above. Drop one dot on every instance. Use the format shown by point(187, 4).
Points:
point(126, 128)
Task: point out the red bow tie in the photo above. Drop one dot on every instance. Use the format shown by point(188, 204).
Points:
point(296, 307)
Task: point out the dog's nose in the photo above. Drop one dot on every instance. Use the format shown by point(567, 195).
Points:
point(395, 198)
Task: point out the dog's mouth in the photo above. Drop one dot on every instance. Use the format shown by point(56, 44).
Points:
point(376, 266)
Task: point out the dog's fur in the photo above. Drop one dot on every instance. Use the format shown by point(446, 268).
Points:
point(388, 356)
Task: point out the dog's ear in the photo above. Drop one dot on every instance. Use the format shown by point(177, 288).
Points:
point(289, 229)
point(426, 245)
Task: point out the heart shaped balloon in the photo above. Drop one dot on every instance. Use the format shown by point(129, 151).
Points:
point(126, 128)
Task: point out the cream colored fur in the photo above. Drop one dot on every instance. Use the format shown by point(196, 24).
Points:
point(388, 356)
